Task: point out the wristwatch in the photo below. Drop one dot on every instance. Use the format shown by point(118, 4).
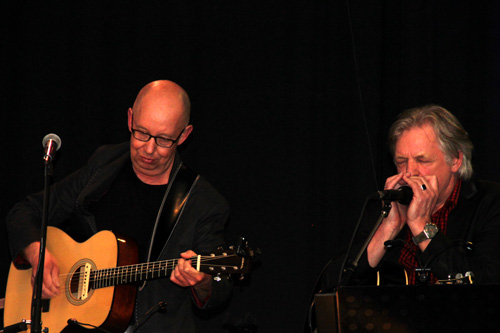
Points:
point(430, 230)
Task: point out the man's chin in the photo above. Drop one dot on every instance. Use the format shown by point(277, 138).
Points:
point(144, 168)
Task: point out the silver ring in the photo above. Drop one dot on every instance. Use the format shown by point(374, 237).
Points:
point(423, 187)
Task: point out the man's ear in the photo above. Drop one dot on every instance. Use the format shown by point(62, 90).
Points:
point(456, 163)
point(129, 115)
point(185, 134)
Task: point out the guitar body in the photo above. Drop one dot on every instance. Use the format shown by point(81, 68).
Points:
point(99, 278)
point(109, 308)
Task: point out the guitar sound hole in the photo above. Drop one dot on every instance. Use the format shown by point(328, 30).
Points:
point(75, 283)
point(79, 284)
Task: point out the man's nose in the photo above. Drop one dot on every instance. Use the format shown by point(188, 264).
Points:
point(412, 168)
point(150, 146)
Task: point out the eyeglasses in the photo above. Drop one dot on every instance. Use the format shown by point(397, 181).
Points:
point(160, 141)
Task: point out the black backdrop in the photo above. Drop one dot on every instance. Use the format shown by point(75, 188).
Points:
point(291, 100)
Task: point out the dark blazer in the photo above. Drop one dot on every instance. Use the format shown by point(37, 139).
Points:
point(200, 228)
point(475, 219)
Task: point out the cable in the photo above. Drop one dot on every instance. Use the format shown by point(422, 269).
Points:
point(160, 307)
point(77, 323)
point(361, 103)
point(341, 273)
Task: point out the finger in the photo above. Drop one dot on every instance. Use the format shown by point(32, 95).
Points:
point(188, 254)
point(188, 272)
point(47, 292)
point(55, 277)
point(416, 184)
point(178, 276)
point(49, 288)
point(392, 181)
point(431, 182)
point(185, 275)
point(423, 186)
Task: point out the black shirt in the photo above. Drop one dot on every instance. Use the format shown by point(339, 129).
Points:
point(129, 208)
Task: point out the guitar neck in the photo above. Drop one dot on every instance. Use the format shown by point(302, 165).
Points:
point(223, 263)
point(132, 274)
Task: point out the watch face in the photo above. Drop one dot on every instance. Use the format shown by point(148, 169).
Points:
point(430, 230)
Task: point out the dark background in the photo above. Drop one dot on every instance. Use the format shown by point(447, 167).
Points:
point(291, 101)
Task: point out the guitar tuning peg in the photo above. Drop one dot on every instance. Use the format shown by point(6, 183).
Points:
point(242, 246)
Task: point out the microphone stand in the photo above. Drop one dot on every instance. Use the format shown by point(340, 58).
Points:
point(36, 302)
point(351, 268)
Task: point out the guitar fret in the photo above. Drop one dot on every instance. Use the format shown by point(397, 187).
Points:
point(93, 279)
point(117, 274)
point(108, 277)
point(98, 279)
point(104, 277)
point(109, 274)
point(124, 274)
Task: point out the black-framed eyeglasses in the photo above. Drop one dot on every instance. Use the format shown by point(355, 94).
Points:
point(160, 141)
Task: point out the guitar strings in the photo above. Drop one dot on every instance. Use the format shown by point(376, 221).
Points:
point(126, 273)
point(204, 261)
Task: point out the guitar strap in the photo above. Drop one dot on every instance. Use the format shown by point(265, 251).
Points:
point(176, 195)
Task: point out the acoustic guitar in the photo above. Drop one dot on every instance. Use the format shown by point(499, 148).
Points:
point(99, 279)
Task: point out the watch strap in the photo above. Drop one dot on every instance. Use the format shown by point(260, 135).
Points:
point(430, 230)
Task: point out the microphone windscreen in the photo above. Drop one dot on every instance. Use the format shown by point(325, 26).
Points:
point(407, 195)
point(53, 137)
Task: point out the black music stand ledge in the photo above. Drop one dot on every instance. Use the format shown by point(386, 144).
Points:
point(434, 308)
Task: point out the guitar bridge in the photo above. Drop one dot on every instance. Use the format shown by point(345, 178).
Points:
point(83, 283)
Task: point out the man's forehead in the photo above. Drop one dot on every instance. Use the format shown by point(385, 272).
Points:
point(420, 141)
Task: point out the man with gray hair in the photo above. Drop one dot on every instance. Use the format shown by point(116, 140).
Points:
point(452, 224)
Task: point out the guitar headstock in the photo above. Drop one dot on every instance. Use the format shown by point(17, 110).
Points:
point(234, 260)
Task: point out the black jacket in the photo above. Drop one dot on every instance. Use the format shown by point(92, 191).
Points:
point(200, 228)
point(475, 219)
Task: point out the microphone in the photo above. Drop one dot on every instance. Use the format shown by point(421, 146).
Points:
point(403, 195)
point(51, 142)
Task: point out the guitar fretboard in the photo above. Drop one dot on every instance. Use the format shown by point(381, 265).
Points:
point(130, 274)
